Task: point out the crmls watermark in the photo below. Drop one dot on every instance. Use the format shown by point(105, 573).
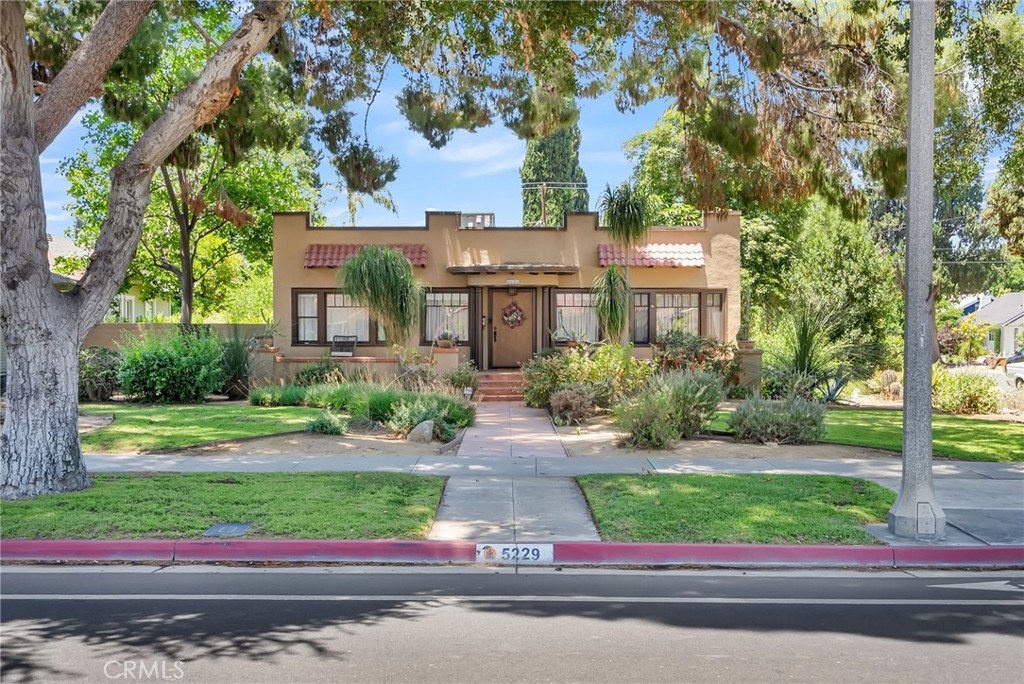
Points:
point(144, 670)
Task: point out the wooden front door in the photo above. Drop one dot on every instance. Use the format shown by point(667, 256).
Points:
point(511, 346)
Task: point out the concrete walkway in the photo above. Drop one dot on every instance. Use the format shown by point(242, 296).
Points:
point(513, 430)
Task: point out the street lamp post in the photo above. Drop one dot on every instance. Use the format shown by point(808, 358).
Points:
point(916, 513)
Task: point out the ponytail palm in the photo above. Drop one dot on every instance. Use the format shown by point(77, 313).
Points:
point(612, 299)
point(381, 279)
point(627, 215)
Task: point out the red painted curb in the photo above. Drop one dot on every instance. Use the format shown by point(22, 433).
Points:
point(602, 553)
point(87, 549)
point(337, 551)
point(964, 556)
point(463, 552)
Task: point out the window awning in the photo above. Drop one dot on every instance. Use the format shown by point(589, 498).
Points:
point(560, 269)
point(654, 254)
point(331, 256)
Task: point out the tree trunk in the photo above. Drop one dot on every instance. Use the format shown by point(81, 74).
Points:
point(39, 443)
point(186, 278)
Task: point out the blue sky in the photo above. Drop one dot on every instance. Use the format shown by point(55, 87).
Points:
point(475, 172)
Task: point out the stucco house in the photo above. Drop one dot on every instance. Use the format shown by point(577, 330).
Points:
point(505, 292)
point(1006, 316)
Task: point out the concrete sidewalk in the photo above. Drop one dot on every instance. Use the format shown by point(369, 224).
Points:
point(512, 481)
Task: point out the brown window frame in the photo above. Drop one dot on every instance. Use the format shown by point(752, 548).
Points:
point(321, 322)
point(652, 318)
point(470, 311)
point(552, 300)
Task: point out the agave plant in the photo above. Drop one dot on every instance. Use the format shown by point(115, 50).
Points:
point(612, 296)
point(381, 279)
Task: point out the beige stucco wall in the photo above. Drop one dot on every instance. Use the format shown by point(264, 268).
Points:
point(574, 244)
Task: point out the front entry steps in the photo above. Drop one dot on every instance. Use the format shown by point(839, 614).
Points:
point(500, 386)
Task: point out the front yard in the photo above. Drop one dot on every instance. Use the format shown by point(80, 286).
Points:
point(181, 506)
point(736, 509)
point(957, 437)
point(145, 427)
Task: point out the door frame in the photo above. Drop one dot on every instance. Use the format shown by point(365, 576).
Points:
point(493, 315)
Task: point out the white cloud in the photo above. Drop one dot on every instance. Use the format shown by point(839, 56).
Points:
point(59, 218)
point(491, 167)
point(992, 167)
point(48, 160)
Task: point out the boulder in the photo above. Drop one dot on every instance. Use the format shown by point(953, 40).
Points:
point(422, 433)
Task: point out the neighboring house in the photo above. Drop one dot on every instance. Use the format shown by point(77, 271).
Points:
point(128, 307)
point(1006, 316)
point(968, 304)
point(507, 292)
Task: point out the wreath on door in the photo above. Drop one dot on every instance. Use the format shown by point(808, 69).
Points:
point(512, 315)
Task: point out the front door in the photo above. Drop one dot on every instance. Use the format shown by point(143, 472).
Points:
point(512, 327)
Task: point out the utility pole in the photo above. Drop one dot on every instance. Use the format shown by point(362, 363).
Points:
point(916, 513)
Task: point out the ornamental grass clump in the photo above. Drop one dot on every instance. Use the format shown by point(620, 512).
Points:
point(963, 393)
point(571, 404)
point(790, 421)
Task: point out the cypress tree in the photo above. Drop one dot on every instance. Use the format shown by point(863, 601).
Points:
point(554, 159)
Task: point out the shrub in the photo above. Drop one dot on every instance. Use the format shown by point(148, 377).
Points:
point(335, 397)
point(609, 371)
point(97, 373)
point(780, 382)
point(894, 392)
point(179, 368)
point(323, 372)
point(448, 414)
point(327, 423)
point(963, 393)
point(791, 421)
point(288, 395)
point(694, 396)
point(680, 350)
point(571, 404)
point(646, 421)
point(463, 375)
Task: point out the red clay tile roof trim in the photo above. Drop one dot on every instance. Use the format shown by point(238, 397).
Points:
point(331, 256)
point(654, 254)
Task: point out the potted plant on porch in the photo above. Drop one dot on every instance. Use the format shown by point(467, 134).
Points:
point(446, 339)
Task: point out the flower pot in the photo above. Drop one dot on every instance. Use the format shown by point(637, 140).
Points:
point(572, 344)
point(745, 344)
point(445, 344)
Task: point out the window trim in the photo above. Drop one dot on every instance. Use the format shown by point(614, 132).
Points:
point(703, 324)
point(321, 319)
point(553, 316)
point(469, 315)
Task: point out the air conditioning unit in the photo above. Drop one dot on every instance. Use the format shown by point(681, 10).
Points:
point(477, 221)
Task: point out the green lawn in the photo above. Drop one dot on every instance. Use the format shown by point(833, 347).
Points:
point(146, 427)
point(181, 506)
point(739, 509)
point(968, 439)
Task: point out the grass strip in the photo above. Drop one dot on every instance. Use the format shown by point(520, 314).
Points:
point(182, 506)
point(735, 509)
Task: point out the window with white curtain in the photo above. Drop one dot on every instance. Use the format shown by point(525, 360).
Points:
point(715, 319)
point(677, 311)
point(446, 311)
point(575, 317)
point(306, 317)
point(344, 318)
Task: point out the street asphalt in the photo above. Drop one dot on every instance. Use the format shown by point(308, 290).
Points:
point(218, 624)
